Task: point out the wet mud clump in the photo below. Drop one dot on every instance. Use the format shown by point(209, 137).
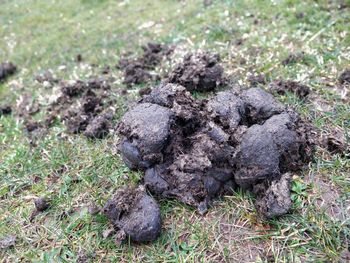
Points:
point(5, 110)
point(281, 87)
point(344, 77)
point(198, 72)
point(137, 70)
point(197, 150)
point(7, 69)
point(134, 215)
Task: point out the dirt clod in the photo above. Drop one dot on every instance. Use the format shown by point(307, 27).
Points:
point(197, 150)
point(7, 69)
point(5, 110)
point(275, 200)
point(41, 204)
point(256, 79)
point(198, 72)
point(134, 214)
point(281, 87)
point(137, 70)
point(345, 77)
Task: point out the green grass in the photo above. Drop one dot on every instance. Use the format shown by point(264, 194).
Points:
point(75, 172)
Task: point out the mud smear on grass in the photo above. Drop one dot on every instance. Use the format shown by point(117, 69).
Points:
point(197, 150)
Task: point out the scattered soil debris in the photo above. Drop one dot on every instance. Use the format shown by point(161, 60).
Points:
point(83, 107)
point(294, 58)
point(7, 69)
point(46, 77)
point(336, 143)
point(31, 126)
point(94, 209)
point(198, 72)
point(85, 257)
point(27, 106)
point(345, 77)
point(134, 214)
point(145, 91)
point(256, 79)
point(137, 71)
point(8, 241)
point(282, 86)
point(5, 110)
point(197, 150)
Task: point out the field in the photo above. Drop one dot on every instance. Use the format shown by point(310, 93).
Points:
point(75, 173)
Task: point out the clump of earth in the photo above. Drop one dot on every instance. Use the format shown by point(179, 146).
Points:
point(88, 113)
point(198, 72)
point(283, 86)
point(7, 69)
point(134, 215)
point(344, 77)
point(137, 70)
point(198, 150)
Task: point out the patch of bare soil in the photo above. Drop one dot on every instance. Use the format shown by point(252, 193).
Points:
point(7, 69)
point(198, 72)
point(197, 150)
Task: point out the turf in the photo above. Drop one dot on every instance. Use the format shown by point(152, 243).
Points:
point(73, 172)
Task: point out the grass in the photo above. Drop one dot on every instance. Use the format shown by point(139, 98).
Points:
point(75, 172)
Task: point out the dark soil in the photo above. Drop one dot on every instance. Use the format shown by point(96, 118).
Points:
point(198, 72)
point(197, 150)
point(7, 69)
point(5, 110)
point(83, 108)
point(46, 76)
point(345, 77)
point(283, 86)
point(257, 79)
point(41, 204)
point(273, 198)
point(134, 214)
point(137, 70)
point(336, 143)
